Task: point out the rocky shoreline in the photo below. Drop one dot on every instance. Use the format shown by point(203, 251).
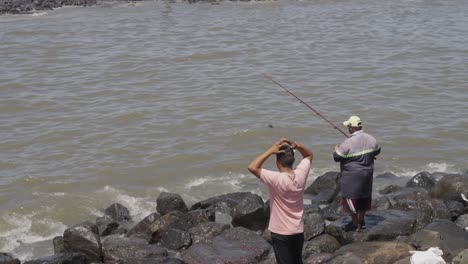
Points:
point(232, 228)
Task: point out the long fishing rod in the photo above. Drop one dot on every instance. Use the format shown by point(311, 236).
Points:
point(310, 107)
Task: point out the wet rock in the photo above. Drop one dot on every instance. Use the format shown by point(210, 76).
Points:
point(27, 6)
point(205, 232)
point(230, 199)
point(62, 258)
point(450, 187)
point(318, 258)
point(144, 228)
point(168, 202)
point(422, 180)
point(372, 252)
point(462, 221)
point(234, 246)
point(250, 213)
point(325, 188)
point(6, 258)
point(321, 244)
point(461, 258)
point(108, 226)
point(313, 225)
point(171, 220)
point(455, 208)
point(441, 233)
point(175, 239)
point(202, 216)
point(381, 203)
point(84, 238)
point(390, 189)
point(123, 249)
point(58, 245)
point(118, 212)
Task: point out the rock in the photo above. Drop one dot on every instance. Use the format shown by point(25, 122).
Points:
point(58, 245)
point(321, 244)
point(175, 239)
point(450, 187)
point(419, 201)
point(406, 260)
point(346, 258)
point(387, 175)
point(250, 213)
point(202, 216)
point(325, 188)
point(441, 233)
point(27, 6)
point(205, 232)
point(6, 258)
point(144, 228)
point(462, 221)
point(234, 246)
point(168, 202)
point(382, 225)
point(381, 203)
point(318, 258)
point(461, 258)
point(455, 208)
point(390, 189)
point(313, 225)
point(84, 238)
point(372, 252)
point(62, 258)
point(422, 180)
point(118, 212)
point(123, 249)
point(108, 226)
point(230, 199)
point(174, 219)
point(270, 259)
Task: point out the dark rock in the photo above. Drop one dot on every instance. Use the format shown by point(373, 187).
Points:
point(230, 199)
point(444, 234)
point(123, 249)
point(462, 221)
point(62, 258)
point(387, 175)
point(234, 246)
point(250, 213)
point(175, 239)
point(84, 238)
point(381, 203)
point(318, 258)
point(422, 180)
point(321, 244)
point(174, 219)
point(325, 188)
point(118, 212)
point(390, 189)
point(450, 187)
point(372, 252)
point(205, 232)
point(144, 228)
point(27, 6)
point(108, 226)
point(346, 258)
point(455, 208)
point(168, 202)
point(6, 258)
point(58, 245)
point(406, 260)
point(313, 226)
point(202, 216)
point(270, 259)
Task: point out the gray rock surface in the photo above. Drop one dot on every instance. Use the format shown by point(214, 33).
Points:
point(168, 202)
point(62, 258)
point(84, 238)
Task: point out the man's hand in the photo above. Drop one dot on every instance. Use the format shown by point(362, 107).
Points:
point(275, 148)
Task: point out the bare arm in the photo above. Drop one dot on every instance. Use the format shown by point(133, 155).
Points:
point(255, 167)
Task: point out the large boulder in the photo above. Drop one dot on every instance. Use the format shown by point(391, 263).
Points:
point(462, 221)
point(390, 189)
point(455, 208)
point(118, 212)
point(372, 252)
point(325, 188)
point(62, 258)
point(321, 244)
point(109, 226)
point(167, 202)
point(206, 232)
point(144, 228)
point(58, 245)
point(171, 220)
point(314, 225)
point(441, 233)
point(175, 239)
point(123, 249)
point(84, 238)
point(321, 258)
point(6, 258)
point(234, 246)
point(230, 199)
point(450, 187)
point(422, 180)
point(250, 213)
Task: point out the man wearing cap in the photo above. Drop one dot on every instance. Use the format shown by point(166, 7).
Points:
point(286, 187)
point(356, 156)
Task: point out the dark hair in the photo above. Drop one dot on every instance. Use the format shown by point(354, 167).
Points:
point(287, 157)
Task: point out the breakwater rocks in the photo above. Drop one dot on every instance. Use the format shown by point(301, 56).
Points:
point(232, 228)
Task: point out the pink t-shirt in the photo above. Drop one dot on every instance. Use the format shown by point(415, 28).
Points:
point(286, 198)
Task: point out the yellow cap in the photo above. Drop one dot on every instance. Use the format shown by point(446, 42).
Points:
point(353, 121)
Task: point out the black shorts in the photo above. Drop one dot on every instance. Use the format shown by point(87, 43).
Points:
point(288, 248)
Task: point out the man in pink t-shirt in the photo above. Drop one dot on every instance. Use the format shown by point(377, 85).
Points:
point(286, 188)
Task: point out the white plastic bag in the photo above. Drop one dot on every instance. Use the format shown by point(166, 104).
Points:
point(431, 256)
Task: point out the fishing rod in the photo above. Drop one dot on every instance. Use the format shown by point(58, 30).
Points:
point(308, 106)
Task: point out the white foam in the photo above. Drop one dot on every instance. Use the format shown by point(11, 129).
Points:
point(430, 167)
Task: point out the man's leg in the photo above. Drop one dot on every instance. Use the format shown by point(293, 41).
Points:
point(297, 242)
point(281, 248)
